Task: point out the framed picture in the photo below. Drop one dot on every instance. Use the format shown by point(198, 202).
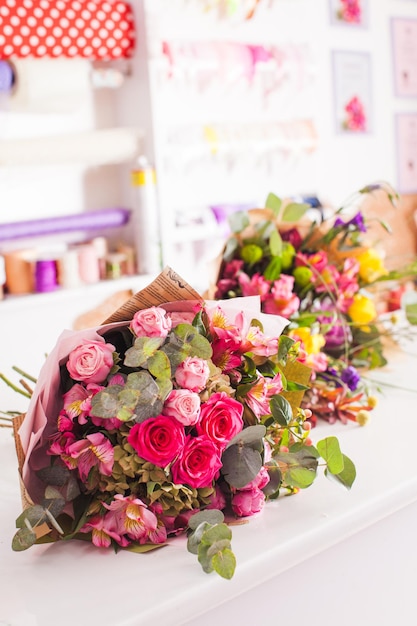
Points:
point(349, 12)
point(352, 92)
point(404, 54)
point(406, 140)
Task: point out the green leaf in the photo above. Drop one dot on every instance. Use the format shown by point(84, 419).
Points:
point(54, 475)
point(224, 563)
point(144, 547)
point(293, 386)
point(249, 435)
point(284, 345)
point(240, 465)
point(211, 516)
point(294, 211)
point(35, 515)
point(231, 246)
point(216, 533)
point(274, 203)
point(194, 538)
point(196, 345)
point(299, 477)
point(23, 539)
point(281, 410)
point(275, 243)
point(329, 450)
point(159, 365)
point(273, 269)
point(271, 490)
point(411, 313)
point(347, 476)
point(238, 221)
point(142, 350)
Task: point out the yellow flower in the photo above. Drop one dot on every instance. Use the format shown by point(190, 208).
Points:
point(312, 343)
point(362, 310)
point(371, 266)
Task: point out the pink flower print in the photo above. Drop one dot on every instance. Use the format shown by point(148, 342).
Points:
point(355, 119)
point(350, 11)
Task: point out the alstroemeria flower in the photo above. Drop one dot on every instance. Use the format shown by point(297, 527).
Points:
point(261, 344)
point(256, 285)
point(93, 451)
point(282, 300)
point(103, 529)
point(132, 517)
point(260, 394)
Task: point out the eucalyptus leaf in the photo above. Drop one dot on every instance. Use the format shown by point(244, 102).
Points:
point(23, 539)
point(35, 515)
point(142, 350)
point(211, 516)
point(195, 344)
point(240, 465)
point(224, 563)
point(194, 538)
point(159, 365)
point(249, 435)
point(54, 475)
point(238, 221)
point(231, 246)
point(218, 532)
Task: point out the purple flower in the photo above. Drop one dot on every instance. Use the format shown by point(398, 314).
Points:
point(357, 221)
point(351, 377)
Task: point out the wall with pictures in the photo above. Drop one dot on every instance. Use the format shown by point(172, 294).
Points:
point(230, 101)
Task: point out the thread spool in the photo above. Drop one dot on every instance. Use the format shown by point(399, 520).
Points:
point(114, 265)
point(68, 272)
point(101, 246)
point(88, 265)
point(2, 276)
point(46, 276)
point(19, 271)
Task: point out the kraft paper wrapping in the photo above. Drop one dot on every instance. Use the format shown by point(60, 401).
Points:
point(168, 290)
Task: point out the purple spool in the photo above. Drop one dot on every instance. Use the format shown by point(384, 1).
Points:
point(6, 77)
point(46, 276)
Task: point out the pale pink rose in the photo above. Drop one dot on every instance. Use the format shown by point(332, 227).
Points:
point(192, 374)
point(217, 500)
point(152, 322)
point(157, 440)
point(248, 502)
point(91, 361)
point(185, 317)
point(260, 481)
point(197, 464)
point(221, 419)
point(184, 406)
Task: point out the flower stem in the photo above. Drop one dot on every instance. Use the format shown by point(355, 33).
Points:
point(13, 386)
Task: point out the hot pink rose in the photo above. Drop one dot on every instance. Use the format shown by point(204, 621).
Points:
point(91, 361)
point(197, 464)
point(248, 502)
point(192, 374)
point(184, 406)
point(157, 439)
point(152, 322)
point(221, 419)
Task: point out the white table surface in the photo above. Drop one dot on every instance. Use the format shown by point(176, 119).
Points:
point(75, 583)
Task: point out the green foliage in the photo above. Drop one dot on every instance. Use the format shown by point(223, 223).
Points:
point(242, 459)
point(294, 211)
point(210, 539)
point(274, 203)
point(238, 221)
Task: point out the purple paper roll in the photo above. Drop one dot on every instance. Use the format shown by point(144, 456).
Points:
point(96, 220)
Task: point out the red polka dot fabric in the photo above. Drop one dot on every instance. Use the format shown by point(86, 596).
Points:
point(91, 29)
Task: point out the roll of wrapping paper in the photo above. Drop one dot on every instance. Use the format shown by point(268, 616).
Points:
point(97, 220)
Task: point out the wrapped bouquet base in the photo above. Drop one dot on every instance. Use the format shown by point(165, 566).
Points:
point(171, 415)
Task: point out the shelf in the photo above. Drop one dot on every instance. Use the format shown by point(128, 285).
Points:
point(90, 148)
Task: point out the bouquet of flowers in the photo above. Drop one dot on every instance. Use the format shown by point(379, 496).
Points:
point(181, 417)
point(319, 276)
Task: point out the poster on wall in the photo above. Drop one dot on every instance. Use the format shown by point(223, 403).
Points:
point(404, 53)
point(349, 12)
point(406, 131)
point(352, 92)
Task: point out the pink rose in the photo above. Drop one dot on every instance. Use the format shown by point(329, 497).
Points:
point(184, 406)
point(221, 419)
point(217, 500)
point(192, 374)
point(152, 322)
point(260, 481)
point(157, 439)
point(91, 361)
point(248, 502)
point(197, 464)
